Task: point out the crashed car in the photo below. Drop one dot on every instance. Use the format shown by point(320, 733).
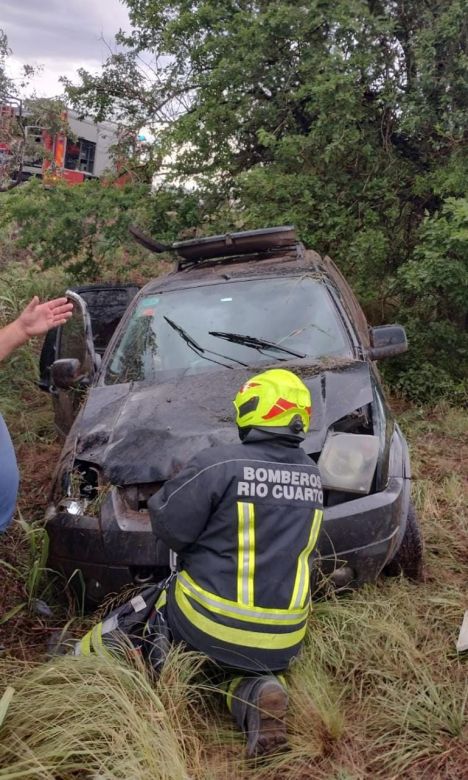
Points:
point(135, 412)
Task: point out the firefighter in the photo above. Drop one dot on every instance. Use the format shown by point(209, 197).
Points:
point(244, 521)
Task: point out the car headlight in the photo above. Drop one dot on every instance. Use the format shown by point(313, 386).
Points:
point(348, 462)
point(74, 506)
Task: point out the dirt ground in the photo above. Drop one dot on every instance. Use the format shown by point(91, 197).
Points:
point(439, 452)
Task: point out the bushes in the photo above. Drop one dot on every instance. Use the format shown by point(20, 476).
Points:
point(84, 230)
point(432, 291)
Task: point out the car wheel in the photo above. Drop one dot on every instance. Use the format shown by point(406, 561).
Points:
point(408, 560)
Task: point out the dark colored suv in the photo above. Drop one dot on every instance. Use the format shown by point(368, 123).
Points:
point(163, 390)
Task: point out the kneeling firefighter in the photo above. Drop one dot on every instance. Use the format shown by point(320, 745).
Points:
point(244, 521)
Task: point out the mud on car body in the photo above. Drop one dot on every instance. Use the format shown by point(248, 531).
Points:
point(162, 391)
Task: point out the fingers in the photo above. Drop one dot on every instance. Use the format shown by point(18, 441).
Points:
point(32, 304)
point(60, 311)
point(60, 304)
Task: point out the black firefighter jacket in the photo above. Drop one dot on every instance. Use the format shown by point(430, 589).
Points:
point(244, 520)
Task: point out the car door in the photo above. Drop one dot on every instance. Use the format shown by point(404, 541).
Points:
point(106, 304)
point(97, 311)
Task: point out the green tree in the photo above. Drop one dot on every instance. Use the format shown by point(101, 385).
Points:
point(433, 287)
point(347, 118)
point(84, 228)
point(13, 136)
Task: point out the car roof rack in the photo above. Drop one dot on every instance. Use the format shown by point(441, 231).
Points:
point(246, 242)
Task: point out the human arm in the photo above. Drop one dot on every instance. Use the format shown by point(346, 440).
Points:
point(35, 320)
point(180, 511)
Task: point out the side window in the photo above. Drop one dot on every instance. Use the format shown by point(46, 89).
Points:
point(47, 358)
point(72, 340)
point(80, 155)
point(106, 307)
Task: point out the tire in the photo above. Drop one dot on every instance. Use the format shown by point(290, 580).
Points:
point(409, 559)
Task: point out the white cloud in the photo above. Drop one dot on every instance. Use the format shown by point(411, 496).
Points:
point(60, 36)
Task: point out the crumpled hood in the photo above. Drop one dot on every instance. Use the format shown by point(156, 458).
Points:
point(146, 433)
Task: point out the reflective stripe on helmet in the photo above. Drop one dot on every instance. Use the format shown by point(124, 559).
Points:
point(280, 406)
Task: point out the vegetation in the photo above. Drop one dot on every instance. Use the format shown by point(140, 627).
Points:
point(84, 229)
point(379, 690)
point(347, 119)
point(16, 115)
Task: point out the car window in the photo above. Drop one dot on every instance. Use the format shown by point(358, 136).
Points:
point(295, 313)
point(106, 306)
point(72, 343)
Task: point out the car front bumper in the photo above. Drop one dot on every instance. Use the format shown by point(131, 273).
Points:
point(98, 558)
point(365, 533)
point(362, 534)
point(99, 555)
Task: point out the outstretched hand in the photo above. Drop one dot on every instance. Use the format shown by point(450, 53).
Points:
point(37, 318)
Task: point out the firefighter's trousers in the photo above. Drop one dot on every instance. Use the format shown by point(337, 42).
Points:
point(142, 623)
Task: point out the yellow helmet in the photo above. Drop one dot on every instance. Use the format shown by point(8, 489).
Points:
point(274, 399)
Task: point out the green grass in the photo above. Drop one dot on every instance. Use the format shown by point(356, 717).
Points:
point(98, 714)
point(379, 690)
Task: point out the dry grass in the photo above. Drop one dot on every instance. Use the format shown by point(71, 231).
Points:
point(98, 718)
point(378, 692)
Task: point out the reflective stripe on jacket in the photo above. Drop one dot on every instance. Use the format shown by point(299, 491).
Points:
point(244, 520)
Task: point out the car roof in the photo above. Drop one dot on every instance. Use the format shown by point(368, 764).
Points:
point(293, 260)
point(215, 260)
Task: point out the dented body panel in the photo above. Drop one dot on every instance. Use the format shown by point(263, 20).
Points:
point(146, 433)
point(130, 437)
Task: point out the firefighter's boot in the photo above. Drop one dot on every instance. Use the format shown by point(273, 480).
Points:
point(259, 706)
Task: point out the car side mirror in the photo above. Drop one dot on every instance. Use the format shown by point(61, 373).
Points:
point(387, 341)
point(66, 373)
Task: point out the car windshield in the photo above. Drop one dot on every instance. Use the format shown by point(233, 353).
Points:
point(168, 334)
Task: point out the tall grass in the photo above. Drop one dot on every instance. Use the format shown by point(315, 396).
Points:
point(99, 718)
point(378, 691)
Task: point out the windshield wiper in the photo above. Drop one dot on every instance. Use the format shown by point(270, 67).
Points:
point(199, 350)
point(252, 341)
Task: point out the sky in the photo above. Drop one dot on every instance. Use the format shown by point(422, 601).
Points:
point(61, 36)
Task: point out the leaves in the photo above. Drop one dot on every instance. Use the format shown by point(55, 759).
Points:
point(347, 119)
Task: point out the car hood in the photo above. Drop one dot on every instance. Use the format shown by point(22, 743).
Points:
point(139, 433)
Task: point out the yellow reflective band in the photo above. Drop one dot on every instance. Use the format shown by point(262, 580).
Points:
point(232, 609)
point(302, 581)
point(97, 641)
point(251, 557)
point(162, 599)
point(230, 691)
point(85, 644)
point(93, 642)
point(246, 553)
point(237, 636)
